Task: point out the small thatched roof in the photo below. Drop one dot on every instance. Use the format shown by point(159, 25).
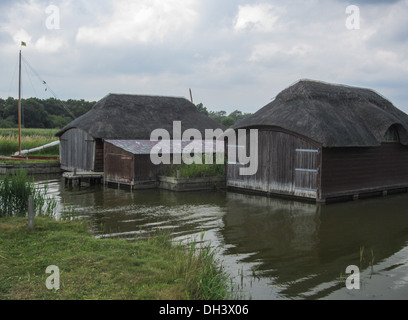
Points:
point(124, 116)
point(333, 115)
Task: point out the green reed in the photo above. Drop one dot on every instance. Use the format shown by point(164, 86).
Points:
point(14, 192)
point(30, 138)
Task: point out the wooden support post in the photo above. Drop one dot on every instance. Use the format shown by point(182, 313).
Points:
point(30, 212)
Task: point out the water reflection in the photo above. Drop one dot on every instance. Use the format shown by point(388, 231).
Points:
point(302, 246)
point(276, 249)
point(281, 236)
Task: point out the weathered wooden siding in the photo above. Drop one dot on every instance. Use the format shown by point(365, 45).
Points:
point(355, 170)
point(99, 161)
point(287, 164)
point(77, 150)
point(128, 168)
point(118, 165)
point(144, 168)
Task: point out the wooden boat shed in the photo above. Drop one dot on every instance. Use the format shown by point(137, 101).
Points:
point(124, 117)
point(322, 141)
point(128, 163)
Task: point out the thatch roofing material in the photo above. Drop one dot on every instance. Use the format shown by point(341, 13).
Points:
point(333, 115)
point(123, 116)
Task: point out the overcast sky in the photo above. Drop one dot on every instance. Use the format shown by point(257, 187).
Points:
point(233, 54)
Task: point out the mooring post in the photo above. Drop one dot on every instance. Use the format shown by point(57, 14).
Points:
point(30, 212)
point(178, 174)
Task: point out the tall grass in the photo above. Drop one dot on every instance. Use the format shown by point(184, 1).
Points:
point(29, 132)
point(14, 192)
point(205, 278)
point(30, 138)
point(211, 283)
point(195, 170)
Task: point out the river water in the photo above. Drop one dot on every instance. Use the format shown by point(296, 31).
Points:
point(273, 248)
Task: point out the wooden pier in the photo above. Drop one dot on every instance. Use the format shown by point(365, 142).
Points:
point(83, 178)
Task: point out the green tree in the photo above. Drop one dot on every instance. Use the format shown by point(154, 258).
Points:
point(222, 117)
point(228, 121)
point(237, 116)
point(10, 110)
point(34, 114)
point(47, 113)
point(202, 109)
point(59, 121)
point(217, 115)
point(2, 104)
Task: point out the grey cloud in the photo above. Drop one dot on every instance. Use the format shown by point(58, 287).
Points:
point(215, 60)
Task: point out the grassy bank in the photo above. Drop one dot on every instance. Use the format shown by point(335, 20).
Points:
point(102, 268)
point(30, 138)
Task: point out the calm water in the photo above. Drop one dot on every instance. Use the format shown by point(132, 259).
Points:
point(274, 248)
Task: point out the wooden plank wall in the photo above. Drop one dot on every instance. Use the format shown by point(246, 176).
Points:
point(287, 164)
point(347, 170)
point(118, 164)
point(307, 166)
point(144, 169)
point(77, 150)
point(127, 168)
point(99, 156)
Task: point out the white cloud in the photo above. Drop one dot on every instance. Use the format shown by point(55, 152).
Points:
point(267, 51)
point(259, 17)
point(49, 44)
point(27, 21)
point(141, 21)
point(21, 35)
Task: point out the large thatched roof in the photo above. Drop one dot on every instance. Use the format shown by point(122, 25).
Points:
point(124, 116)
point(333, 115)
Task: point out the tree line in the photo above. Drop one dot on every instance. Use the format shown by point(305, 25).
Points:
point(222, 117)
point(54, 113)
point(41, 113)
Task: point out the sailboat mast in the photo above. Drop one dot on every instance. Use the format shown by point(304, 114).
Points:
point(19, 106)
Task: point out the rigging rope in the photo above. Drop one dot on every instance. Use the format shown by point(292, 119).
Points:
point(47, 87)
point(31, 82)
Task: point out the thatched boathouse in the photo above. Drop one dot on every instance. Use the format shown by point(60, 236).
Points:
point(124, 117)
point(323, 141)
